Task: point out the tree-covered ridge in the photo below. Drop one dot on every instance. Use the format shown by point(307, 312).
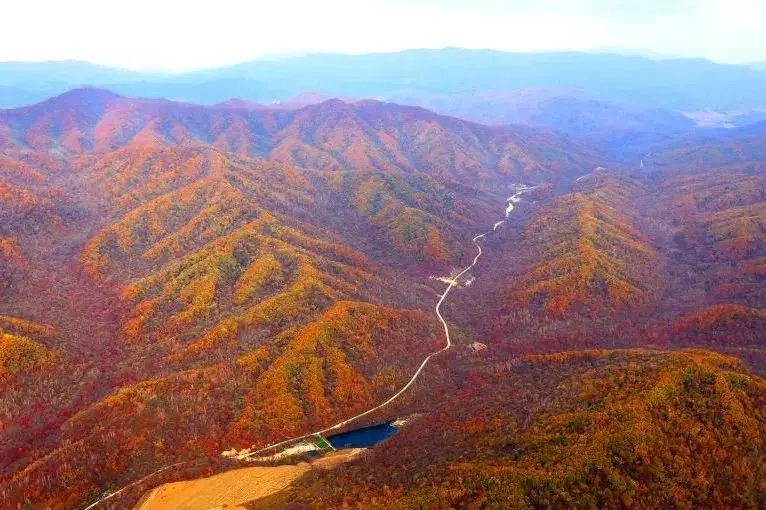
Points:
point(214, 257)
point(261, 275)
point(329, 136)
point(381, 136)
point(740, 148)
point(19, 326)
point(313, 375)
point(217, 272)
point(720, 221)
point(29, 203)
point(579, 429)
point(341, 363)
point(591, 256)
point(723, 325)
point(9, 251)
point(22, 347)
point(32, 207)
point(714, 191)
point(412, 214)
point(172, 200)
point(12, 263)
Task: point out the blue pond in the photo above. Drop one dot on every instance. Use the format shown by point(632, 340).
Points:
point(362, 438)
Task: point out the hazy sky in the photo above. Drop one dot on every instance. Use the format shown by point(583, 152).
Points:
point(177, 35)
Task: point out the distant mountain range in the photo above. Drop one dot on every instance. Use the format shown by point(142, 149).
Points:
point(606, 100)
point(416, 77)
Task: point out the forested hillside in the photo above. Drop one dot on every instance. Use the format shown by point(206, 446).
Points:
point(178, 280)
point(217, 277)
point(332, 135)
point(594, 428)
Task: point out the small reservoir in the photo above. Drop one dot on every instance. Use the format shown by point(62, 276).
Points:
point(363, 437)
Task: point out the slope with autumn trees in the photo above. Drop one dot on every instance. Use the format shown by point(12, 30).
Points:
point(581, 429)
point(666, 257)
point(22, 348)
point(30, 207)
point(575, 269)
point(205, 297)
point(221, 292)
point(228, 276)
point(715, 239)
point(720, 220)
point(742, 146)
point(331, 135)
point(590, 254)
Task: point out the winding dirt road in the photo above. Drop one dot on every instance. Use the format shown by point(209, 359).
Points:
point(510, 203)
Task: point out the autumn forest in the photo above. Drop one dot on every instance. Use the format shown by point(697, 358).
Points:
point(178, 280)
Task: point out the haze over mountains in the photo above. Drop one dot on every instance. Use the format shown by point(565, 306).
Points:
point(180, 279)
point(634, 79)
point(605, 100)
point(443, 80)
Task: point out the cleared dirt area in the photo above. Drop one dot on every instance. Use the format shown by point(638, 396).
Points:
point(224, 490)
point(233, 488)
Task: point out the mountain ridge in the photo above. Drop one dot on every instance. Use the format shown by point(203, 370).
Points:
point(395, 74)
point(330, 135)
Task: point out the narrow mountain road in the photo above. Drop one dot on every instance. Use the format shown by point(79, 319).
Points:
point(414, 377)
point(510, 205)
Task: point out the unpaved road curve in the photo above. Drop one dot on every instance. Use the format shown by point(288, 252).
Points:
point(510, 202)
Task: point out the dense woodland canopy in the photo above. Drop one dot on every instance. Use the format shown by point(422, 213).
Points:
point(586, 429)
point(179, 280)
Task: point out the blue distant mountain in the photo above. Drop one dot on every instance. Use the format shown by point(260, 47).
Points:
point(677, 84)
point(30, 82)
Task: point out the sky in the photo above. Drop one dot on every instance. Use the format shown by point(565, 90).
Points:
point(171, 35)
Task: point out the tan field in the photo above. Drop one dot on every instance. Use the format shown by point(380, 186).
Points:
point(233, 488)
point(224, 490)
